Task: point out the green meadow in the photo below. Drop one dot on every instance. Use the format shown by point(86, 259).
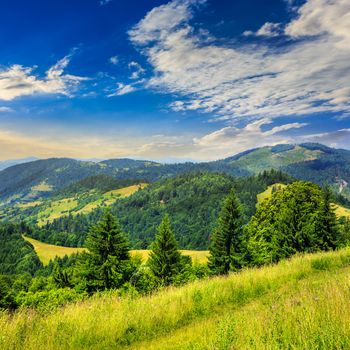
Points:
point(300, 303)
point(80, 204)
point(47, 252)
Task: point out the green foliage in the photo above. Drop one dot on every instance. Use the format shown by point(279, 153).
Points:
point(295, 219)
point(327, 226)
point(165, 261)
point(49, 299)
point(61, 277)
point(226, 248)
point(192, 200)
point(16, 255)
point(6, 295)
point(107, 263)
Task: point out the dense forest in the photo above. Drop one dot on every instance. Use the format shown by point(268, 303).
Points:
point(192, 201)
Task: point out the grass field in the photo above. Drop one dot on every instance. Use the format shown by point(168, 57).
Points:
point(47, 252)
point(268, 192)
point(110, 197)
point(341, 211)
point(57, 208)
point(301, 303)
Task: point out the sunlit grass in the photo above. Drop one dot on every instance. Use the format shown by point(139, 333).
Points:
point(47, 252)
point(268, 192)
point(302, 303)
point(341, 211)
point(56, 210)
point(110, 197)
point(62, 207)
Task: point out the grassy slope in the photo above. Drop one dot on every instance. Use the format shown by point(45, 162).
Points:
point(264, 158)
point(302, 303)
point(341, 211)
point(47, 252)
point(57, 208)
point(268, 192)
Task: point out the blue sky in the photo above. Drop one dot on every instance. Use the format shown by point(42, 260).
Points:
point(178, 80)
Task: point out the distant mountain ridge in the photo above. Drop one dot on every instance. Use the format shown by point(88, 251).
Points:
point(11, 162)
point(309, 161)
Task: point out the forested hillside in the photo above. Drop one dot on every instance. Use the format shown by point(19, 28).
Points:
point(192, 201)
point(43, 178)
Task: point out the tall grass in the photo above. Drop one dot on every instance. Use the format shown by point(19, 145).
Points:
point(257, 308)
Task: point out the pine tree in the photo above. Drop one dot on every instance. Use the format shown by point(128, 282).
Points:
point(226, 245)
point(60, 276)
point(165, 260)
point(107, 262)
point(327, 228)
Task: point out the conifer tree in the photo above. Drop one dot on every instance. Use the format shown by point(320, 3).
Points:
point(327, 228)
point(60, 276)
point(226, 242)
point(165, 261)
point(108, 259)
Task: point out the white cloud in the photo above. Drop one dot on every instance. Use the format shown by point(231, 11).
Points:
point(17, 81)
point(306, 76)
point(4, 109)
point(268, 29)
point(123, 89)
point(114, 60)
point(161, 20)
point(220, 143)
point(138, 70)
point(231, 140)
point(323, 17)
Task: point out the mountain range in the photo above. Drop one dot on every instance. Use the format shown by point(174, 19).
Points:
point(313, 162)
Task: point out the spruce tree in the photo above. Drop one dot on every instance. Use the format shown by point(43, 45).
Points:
point(327, 228)
point(226, 241)
point(165, 261)
point(107, 260)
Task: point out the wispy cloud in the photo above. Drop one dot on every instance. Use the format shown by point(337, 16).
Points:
point(309, 75)
point(123, 89)
point(114, 60)
point(137, 70)
point(17, 81)
point(268, 29)
point(4, 109)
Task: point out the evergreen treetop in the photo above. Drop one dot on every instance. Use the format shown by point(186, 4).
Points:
point(165, 260)
point(227, 239)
